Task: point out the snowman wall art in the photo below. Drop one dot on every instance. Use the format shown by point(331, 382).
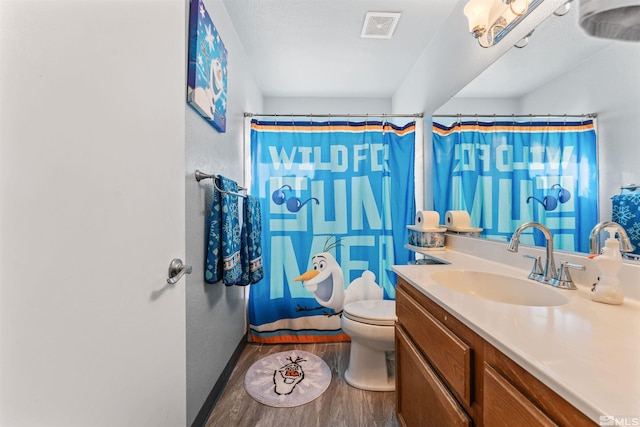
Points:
point(207, 71)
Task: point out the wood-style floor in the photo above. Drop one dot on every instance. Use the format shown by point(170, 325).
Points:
point(339, 405)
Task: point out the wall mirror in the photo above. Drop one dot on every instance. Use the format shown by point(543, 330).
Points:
point(562, 70)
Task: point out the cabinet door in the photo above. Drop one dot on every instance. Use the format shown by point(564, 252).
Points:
point(505, 406)
point(446, 352)
point(422, 399)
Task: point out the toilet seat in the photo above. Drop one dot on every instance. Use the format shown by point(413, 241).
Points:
point(371, 312)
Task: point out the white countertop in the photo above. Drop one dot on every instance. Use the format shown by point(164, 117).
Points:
point(587, 352)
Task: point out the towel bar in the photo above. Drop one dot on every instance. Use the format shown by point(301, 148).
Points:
point(201, 175)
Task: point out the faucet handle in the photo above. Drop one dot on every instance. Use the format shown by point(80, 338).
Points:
point(536, 271)
point(564, 280)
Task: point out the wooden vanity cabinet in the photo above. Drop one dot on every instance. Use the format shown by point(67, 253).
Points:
point(506, 406)
point(442, 344)
point(532, 402)
point(426, 400)
point(447, 375)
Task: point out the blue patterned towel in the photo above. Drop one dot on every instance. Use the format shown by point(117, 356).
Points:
point(626, 212)
point(223, 251)
point(252, 271)
point(213, 228)
point(230, 232)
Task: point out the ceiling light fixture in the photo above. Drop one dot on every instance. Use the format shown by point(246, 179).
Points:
point(491, 20)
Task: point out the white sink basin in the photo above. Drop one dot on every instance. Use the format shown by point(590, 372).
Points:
point(496, 287)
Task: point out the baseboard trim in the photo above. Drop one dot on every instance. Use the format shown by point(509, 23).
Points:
point(216, 391)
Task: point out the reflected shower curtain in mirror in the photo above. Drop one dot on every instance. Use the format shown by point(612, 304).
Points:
point(336, 198)
point(507, 173)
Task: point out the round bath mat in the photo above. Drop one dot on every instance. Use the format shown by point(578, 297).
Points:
point(286, 379)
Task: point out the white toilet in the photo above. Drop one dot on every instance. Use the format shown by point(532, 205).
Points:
point(370, 324)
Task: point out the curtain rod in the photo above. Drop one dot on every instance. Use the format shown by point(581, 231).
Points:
point(383, 115)
point(528, 116)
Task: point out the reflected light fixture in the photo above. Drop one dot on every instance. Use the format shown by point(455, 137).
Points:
point(611, 19)
point(491, 20)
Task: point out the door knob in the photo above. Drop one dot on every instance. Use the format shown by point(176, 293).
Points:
point(176, 270)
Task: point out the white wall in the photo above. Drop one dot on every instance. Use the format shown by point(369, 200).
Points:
point(92, 212)
point(292, 105)
point(477, 106)
point(215, 313)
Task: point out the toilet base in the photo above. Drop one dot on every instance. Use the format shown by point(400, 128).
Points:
point(371, 372)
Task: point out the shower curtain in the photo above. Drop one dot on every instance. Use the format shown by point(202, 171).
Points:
point(507, 173)
point(336, 199)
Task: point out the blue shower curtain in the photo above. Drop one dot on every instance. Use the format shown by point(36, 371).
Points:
point(507, 173)
point(341, 189)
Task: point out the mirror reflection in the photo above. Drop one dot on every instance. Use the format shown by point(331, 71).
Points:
point(562, 75)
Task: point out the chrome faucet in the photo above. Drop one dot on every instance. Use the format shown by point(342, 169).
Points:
point(549, 273)
point(595, 244)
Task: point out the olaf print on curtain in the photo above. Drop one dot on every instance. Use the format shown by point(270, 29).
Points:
point(326, 282)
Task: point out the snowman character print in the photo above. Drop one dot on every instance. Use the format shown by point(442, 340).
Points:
point(286, 378)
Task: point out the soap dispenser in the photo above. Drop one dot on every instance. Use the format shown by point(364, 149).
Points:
point(607, 290)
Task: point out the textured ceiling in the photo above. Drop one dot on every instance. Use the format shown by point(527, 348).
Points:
point(312, 48)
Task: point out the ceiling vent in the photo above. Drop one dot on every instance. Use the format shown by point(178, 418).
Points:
point(379, 25)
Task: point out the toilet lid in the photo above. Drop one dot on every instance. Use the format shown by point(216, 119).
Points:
point(372, 312)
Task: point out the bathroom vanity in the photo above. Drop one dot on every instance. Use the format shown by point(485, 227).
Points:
point(467, 360)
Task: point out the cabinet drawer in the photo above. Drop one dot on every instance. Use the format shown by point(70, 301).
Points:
point(505, 406)
point(423, 400)
point(447, 353)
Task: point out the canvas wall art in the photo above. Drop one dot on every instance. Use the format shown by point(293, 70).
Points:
point(207, 71)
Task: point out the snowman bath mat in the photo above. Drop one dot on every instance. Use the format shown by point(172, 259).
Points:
point(286, 379)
